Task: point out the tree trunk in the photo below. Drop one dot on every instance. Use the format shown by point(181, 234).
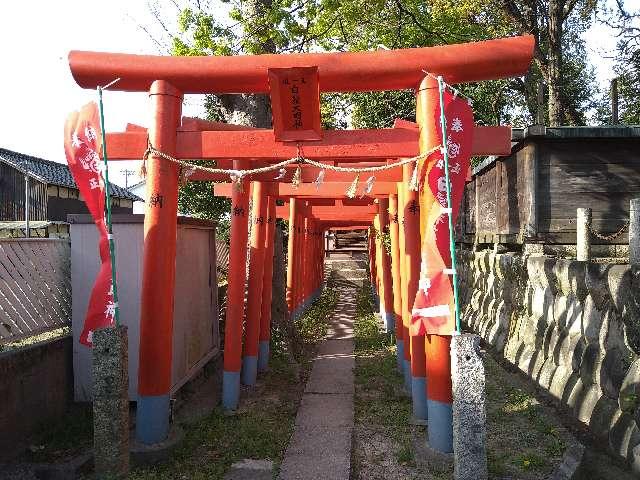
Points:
point(554, 66)
point(251, 110)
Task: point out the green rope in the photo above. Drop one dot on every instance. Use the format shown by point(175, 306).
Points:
point(112, 246)
point(452, 245)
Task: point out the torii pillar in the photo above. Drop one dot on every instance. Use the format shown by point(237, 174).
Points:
point(395, 277)
point(406, 360)
point(235, 293)
point(255, 284)
point(384, 266)
point(292, 263)
point(412, 272)
point(267, 288)
point(438, 358)
point(159, 268)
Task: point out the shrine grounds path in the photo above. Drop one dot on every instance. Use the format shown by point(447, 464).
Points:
point(321, 443)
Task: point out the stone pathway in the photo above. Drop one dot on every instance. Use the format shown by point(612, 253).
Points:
point(320, 448)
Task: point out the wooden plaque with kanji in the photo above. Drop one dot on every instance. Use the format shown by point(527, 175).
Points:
point(295, 103)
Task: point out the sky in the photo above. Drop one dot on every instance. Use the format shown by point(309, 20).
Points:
point(37, 91)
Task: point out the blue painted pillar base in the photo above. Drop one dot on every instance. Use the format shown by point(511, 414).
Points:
point(407, 375)
point(440, 426)
point(298, 312)
point(419, 397)
point(389, 321)
point(376, 298)
point(230, 390)
point(400, 354)
point(152, 419)
point(249, 370)
point(263, 356)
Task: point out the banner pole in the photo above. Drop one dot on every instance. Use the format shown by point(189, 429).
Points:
point(452, 245)
point(112, 247)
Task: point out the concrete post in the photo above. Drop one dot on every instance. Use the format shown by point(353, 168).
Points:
point(469, 412)
point(583, 237)
point(634, 232)
point(111, 402)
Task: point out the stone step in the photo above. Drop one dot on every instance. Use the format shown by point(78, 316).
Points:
point(352, 273)
point(346, 264)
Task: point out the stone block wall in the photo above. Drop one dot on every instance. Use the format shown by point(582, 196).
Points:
point(573, 327)
point(36, 386)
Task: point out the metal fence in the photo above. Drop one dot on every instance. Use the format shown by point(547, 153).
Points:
point(35, 286)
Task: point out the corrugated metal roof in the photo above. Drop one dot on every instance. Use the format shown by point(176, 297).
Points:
point(52, 172)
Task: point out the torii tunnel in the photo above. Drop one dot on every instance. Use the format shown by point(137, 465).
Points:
point(310, 211)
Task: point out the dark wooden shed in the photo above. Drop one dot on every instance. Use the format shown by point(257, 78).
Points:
point(532, 195)
point(52, 191)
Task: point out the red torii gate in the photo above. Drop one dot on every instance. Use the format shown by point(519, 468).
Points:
point(168, 78)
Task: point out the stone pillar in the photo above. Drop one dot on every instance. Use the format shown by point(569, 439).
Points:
point(634, 232)
point(111, 402)
point(583, 237)
point(469, 412)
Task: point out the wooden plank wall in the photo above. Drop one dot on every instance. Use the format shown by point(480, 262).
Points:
point(602, 174)
point(12, 196)
point(533, 194)
point(486, 208)
point(35, 287)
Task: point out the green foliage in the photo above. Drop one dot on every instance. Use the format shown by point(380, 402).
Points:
point(627, 24)
point(282, 26)
point(367, 327)
point(312, 326)
point(196, 199)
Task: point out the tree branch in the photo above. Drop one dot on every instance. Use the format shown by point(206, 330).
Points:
point(568, 8)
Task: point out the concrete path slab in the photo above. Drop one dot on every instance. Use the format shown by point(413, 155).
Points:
point(249, 469)
point(325, 411)
point(320, 447)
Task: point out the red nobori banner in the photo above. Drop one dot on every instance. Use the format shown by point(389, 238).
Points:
point(82, 146)
point(433, 309)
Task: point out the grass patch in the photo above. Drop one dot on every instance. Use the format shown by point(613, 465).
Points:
point(525, 440)
point(263, 425)
point(261, 429)
point(67, 436)
point(312, 326)
point(369, 338)
point(35, 339)
point(383, 436)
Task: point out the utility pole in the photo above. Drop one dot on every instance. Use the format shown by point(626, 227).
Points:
point(127, 173)
point(614, 102)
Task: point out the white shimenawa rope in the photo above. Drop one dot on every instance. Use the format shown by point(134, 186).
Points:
point(237, 175)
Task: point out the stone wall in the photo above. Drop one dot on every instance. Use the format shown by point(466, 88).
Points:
point(36, 387)
point(573, 327)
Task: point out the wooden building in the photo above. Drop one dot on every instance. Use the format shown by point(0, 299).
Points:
point(52, 191)
point(532, 195)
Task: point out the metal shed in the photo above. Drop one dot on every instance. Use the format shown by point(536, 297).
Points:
point(196, 338)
